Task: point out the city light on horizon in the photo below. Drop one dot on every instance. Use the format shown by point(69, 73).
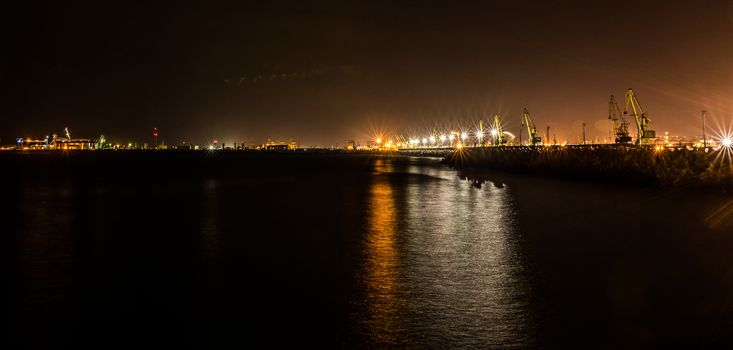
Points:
point(293, 93)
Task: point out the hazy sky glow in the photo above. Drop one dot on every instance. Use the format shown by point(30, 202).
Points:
point(325, 72)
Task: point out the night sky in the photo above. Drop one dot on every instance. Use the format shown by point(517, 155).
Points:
point(327, 72)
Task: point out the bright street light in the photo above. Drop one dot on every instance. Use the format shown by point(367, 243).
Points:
point(726, 142)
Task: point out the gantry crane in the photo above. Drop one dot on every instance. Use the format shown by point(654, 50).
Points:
point(497, 133)
point(644, 136)
point(531, 129)
point(620, 125)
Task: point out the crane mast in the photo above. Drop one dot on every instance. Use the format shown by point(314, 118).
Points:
point(531, 129)
point(644, 136)
point(620, 125)
point(497, 133)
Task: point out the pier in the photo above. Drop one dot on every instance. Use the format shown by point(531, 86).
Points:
point(686, 167)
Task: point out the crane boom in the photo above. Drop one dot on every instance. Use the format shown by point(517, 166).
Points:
point(620, 125)
point(644, 135)
point(531, 129)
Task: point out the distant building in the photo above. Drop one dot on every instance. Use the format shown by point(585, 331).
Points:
point(62, 143)
point(271, 145)
point(276, 147)
point(56, 143)
point(32, 144)
point(351, 145)
point(68, 143)
point(184, 146)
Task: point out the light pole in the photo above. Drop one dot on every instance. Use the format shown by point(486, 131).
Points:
point(584, 133)
point(704, 139)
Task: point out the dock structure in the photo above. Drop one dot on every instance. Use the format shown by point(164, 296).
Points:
point(675, 166)
point(70, 144)
point(440, 152)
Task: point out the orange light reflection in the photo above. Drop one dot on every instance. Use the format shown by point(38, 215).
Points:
point(381, 260)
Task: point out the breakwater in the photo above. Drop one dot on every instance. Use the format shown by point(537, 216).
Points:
point(678, 167)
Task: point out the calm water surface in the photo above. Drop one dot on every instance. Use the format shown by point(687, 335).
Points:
point(205, 250)
point(442, 262)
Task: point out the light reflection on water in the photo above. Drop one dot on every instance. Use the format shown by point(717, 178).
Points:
point(441, 264)
point(381, 271)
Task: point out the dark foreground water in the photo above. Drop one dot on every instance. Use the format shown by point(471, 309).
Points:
point(195, 250)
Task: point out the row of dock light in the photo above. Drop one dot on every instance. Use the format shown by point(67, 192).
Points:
point(478, 138)
point(453, 139)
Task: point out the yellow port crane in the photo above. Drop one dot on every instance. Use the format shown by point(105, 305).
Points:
point(531, 129)
point(497, 133)
point(620, 125)
point(644, 136)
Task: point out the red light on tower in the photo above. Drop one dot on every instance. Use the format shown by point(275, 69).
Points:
point(155, 137)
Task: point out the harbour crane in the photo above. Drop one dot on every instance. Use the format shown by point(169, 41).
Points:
point(497, 133)
point(644, 136)
point(531, 129)
point(620, 125)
